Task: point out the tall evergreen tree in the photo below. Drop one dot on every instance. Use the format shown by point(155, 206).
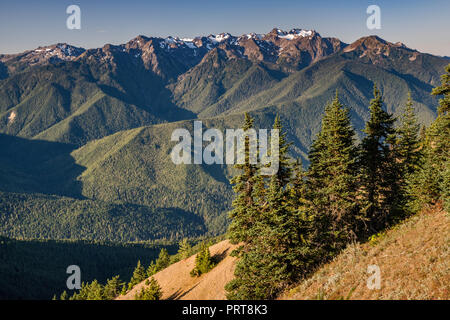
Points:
point(440, 141)
point(408, 147)
point(408, 152)
point(300, 202)
point(244, 210)
point(249, 189)
point(433, 181)
point(268, 261)
point(162, 262)
point(332, 180)
point(277, 231)
point(379, 168)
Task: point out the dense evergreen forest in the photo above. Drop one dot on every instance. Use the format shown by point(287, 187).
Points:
point(36, 269)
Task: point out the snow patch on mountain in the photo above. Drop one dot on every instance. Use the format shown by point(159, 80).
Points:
point(294, 33)
point(11, 117)
point(219, 37)
point(175, 42)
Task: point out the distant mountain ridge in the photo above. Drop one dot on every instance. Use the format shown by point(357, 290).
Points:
point(54, 92)
point(271, 47)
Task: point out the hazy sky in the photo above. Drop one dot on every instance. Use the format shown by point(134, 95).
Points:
point(422, 25)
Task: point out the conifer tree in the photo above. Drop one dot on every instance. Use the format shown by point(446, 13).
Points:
point(277, 232)
point(124, 290)
point(151, 292)
point(163, 260)
point(408, 150)
point(332, 180)
point(244, 210)
point(408, 145)
point(203, 261)
point(185, 249)
point(112, 288)
point(268, 261)
point(432, 183)
point(64, 295)
point(151, 270)
point(89, 291)
point(440, 138)
point(249, 190)
point(95, 291)
point(300, 202)
point(139, 275)
point(379, 169)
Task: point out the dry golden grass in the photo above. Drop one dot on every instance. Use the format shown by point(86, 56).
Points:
point(177, 284)
point(413, 259)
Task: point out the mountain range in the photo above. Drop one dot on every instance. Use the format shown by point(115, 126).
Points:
point(85, 133)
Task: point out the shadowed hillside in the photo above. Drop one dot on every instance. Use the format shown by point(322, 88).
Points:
point(38, 166)
point(36, 269)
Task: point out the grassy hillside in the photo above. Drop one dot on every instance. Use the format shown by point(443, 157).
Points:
point(413, 258)
point(177, 283)
point(36, 269)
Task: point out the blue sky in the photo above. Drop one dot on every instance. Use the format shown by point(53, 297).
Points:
point(422, 25)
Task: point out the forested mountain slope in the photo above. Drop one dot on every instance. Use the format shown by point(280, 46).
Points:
point(86, 133)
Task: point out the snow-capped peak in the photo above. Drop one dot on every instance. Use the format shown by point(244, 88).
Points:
point(61, 50)
point(219, 37)
point(177, 42)
point(294, 33)
point(253, 35)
